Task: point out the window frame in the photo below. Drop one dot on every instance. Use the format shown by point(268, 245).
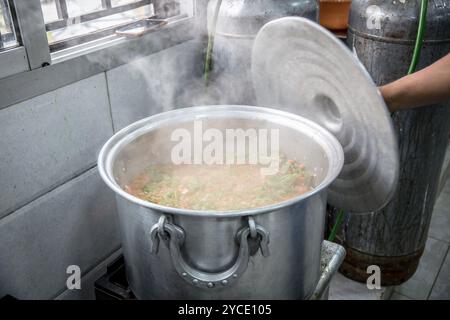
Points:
point(30, 21)
point(107, 10)
point(34, 49)
point(104, 12)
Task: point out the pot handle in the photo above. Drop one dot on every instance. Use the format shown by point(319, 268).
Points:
point(174, 237)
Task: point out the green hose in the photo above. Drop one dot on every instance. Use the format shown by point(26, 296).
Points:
point(337, 225)
point(209, 50)
point(419, 39)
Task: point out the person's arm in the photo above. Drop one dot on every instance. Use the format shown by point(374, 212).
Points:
point(427, 86)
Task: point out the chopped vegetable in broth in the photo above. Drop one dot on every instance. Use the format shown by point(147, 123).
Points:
point(219, 187)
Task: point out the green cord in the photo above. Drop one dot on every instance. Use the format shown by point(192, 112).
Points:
point(209, 50)
point(420, 34)
point(337, 225)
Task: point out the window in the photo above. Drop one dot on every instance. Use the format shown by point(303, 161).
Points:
point(8, 38)
point(72, 22)
point(37, 33)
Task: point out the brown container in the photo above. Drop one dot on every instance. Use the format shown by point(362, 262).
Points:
point(334, 14)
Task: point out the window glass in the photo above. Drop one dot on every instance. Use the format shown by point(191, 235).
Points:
point(69, 23)
point(79, 7)
point(72, 22)
point(8, 37)
point(116, 3)
point(49, 10)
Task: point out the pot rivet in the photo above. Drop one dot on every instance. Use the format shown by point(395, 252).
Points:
point(195, 281)
point(184, 274)
point(224, 282)
point(210, 284)
point(235, 275)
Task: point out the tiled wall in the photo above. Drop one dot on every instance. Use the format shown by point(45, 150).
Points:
point(54, 209)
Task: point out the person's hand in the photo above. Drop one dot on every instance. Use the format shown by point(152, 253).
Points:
point(428, 86)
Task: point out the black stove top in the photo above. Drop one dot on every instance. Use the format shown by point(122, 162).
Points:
point(114, 285)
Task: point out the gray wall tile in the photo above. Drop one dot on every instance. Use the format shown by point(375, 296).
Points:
point(51, 138)
point(342, 288)
point(441, 288)
point(153, 84)
point(420, 285)
point(440, 224)
point(440, 220)
point(73, 224)
point(48, 221)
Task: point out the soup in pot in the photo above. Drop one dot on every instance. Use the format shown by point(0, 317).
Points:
point(220, 187)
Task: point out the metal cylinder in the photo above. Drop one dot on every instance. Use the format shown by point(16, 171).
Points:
point(237, 25)
point(382, 33)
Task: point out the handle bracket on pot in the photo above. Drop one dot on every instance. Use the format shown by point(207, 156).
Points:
point(174, 237)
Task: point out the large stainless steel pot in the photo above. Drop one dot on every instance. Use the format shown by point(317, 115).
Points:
point(267, 253)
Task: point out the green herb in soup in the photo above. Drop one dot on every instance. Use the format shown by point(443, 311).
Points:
point(220, 187)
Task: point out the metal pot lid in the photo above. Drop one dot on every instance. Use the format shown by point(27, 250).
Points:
point(301, 67)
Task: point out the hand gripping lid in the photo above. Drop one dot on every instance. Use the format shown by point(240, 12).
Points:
point(300, 67)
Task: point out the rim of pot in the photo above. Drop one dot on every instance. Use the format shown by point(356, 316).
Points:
point(328, 142)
